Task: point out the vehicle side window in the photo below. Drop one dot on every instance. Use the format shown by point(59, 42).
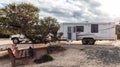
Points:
point(79, 28)
point(94, 28)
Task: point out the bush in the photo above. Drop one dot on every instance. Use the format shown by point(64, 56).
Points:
point(44, 58)
point(4, 36)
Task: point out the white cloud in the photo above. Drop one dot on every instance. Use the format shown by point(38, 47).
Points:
point(111, 7)
point(68, 10)
point(1, 6)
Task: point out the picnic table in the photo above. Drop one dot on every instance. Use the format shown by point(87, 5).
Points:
point(39, 50)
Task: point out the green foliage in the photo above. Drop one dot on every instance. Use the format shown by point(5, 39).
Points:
point(49, 25)
point(44, 58)
point(19, 18)
point(24, 18)
point(4, 35)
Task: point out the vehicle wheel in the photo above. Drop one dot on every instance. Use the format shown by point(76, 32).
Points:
point(91, 41)
point(15, 41)
point(84, 41)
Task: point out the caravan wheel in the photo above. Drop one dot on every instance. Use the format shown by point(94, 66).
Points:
point(91, 41)
point(84, 41)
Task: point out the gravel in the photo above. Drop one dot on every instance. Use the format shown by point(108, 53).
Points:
point(91, 56)
point(106, 55)
point(79, 56)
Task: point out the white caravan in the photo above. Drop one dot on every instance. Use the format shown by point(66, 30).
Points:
point(88, 32)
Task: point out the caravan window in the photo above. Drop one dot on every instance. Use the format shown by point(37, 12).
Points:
point(79, 28)
point(94, 28)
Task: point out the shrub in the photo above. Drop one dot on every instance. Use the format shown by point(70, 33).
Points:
point(4, 35)
point(44, 58)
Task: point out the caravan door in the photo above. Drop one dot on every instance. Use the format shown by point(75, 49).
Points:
point(69, 33)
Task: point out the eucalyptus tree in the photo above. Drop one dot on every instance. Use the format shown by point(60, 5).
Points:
point(49, 26)
point(20, 18)
point(24, 18)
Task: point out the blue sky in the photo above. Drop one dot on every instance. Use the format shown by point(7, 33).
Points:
point(75, 10)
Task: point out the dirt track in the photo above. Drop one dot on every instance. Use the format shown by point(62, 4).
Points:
point(5, 41)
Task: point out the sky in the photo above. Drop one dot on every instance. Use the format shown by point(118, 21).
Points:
point(75, 10)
